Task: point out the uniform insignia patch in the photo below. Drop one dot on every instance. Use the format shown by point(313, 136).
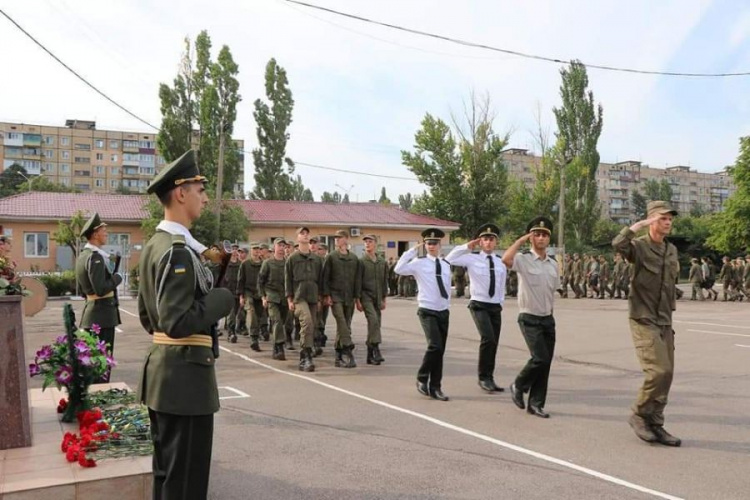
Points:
point(179, 269)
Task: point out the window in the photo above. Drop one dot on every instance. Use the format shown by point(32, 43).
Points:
point(64, 168)
point(99, 143)
point(130, 144)
point(64, 181)
point(146, 170)
point(100, 156)
point(82, 173)
point(119, 239)
point(147, 159)
point(49, 168)
point(48, 153)
point(49, 140)
point(99, 183)
point(36, 244)
point(115, 170)
point(82, 159)
point(146, 144)
point(64, 141)
point(113, 158)
point(113, 184)
point(14, 136)
point(82, 147)
point(114, 144)
point(66, 154)
point(131, 157)
point(99, 170)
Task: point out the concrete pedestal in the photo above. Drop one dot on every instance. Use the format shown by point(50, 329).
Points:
point(15, 431)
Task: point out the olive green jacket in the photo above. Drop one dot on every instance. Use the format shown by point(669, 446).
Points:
point(231, 276)
point(180, 380)
point(247, 279)
point(340, 275)
point(725, 275)
point(696, 274)
point(271, 280)
point(655, 271)
point(302, 277)
point(372, 283)
point(95, 278)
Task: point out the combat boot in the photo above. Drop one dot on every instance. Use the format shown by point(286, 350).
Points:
point(323, 338)
point(306, 362)
point(338, 363)
point(278, 352)
point(347, 357)
point(289, 342)
point(642, 429)
point(376, 355)
point(254, 345)
point(370, 356)
point(665, 438)
point(317, 350)
point(264, 333)
point(232, 338)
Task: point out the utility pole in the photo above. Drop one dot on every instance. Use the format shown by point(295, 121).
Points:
point(219, 179)
point(561, 204)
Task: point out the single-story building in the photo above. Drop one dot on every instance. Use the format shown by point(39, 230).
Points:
point(31, 220)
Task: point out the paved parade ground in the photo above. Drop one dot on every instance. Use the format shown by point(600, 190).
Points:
point(366, 433)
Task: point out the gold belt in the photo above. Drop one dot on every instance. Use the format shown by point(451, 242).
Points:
point(98, 297)
point(195, 339)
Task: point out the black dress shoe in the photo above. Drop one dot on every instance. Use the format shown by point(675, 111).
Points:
point(537, 411)
point(422, 388)
point(490, 386)
point(517, 396)
point(438, 394)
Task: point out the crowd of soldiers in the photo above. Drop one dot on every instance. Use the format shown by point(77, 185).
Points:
point(590, 276)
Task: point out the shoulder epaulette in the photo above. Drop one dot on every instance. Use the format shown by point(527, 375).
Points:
point(178, 240)
point(526, 252)
point(553, 258)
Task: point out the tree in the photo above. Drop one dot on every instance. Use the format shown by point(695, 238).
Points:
point(462, 167)
point(234, 222)
point(274, 171)
point(405, 201)
point(730, 229)
point(345, 199)
point(200, 106)
point(69, 233)
point(579, 125)
point(40, 183)
point(11, 178)
point(334, 197)
point(299, 192)
point(383, 197)
point(657, 190)
point(639, 202)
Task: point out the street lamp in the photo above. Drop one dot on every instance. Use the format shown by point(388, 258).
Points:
point(347, 191)
point(28, 180)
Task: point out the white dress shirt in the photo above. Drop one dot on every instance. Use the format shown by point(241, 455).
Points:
point(176, 228)
point(98, 250)
point(478, 265)
point(423, 269)
point(537, 281)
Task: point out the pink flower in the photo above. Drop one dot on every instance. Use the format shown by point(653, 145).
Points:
point(44, 353)
point(64, 375)
point(96, 328)
point(34, 369)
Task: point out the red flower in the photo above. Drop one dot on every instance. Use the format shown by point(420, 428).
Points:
point(72, 454)
point(85, 462)
point(62, 405)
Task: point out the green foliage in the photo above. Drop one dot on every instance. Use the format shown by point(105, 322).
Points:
point(604, 232)
point(69, 233)
point(579, 124)
point(334, 197)
point(639, 202)
point(274, 171)
point(11, 179)
point(383, 197)
point(43, 184)
point(405, 201)
point(201, 106)
point(59, 284)
point(234, 223)
point(730, 229)
point(463, 170)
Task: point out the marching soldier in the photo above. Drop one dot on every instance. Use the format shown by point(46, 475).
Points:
point(725, 276)
point(538, 278)
point(179, 306)
point(459, 278)
point(604, 278)
point(324, 309)
point(370, 295)
point(392, 278)
point(434, 278)
point(241, 328)
point(230, 283)
point(340, 275)
point(487, 278)
point(739, 276)
point(98, 284)
point(271, 289)
point(696, 279)
point(709, 275)
point(567, 276)
point(578, 277)
point(251, 300)
point(303, 292)
point(651, 302)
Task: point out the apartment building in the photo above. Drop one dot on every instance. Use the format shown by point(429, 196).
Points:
point(617, 181)
point(81, 156)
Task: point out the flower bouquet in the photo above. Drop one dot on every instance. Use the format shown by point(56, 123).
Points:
point(73, 361)
point(10, 282)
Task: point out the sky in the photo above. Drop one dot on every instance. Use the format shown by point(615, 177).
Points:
point(362, 90)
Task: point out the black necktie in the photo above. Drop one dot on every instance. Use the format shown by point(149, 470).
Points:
point(492, 275)
point(439, 274)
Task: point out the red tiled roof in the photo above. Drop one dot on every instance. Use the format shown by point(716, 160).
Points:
point(115, 207)
point(39, 205)
point(269, 212)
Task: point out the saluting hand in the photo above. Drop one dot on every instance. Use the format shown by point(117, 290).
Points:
point(473, 243)
point(644, 223)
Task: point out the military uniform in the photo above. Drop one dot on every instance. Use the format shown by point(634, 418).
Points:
point(651, 302)
point(371, 291)
point(604, 280)
point(578, 277)
point(433, 275)
point(271, 287)
point(392, 278)
point(487, 275)
point(98, 285)
point(696, 280)
point(230, 283)
point(459, 279)
point(725, 276)
point(567, 276)
point(179, 308)
point(247, 286)
point(339, 279)
point(324, 307)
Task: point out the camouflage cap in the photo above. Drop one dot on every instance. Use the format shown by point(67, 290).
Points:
point(342, 233)
point(655, 208)
point(263, 246)
point(303, 228)
point(323, 246)
point(254, 245)
point(279, 241)
point(370, 237)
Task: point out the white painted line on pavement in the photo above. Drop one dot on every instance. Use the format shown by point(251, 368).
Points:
point(461, 430)
point(239, 393)
point(128, 312)
point(720, 333)
point(741, 345)
point(713, 324)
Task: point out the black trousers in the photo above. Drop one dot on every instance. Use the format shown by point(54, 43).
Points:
point(488, 318)
point(435, 326)
point(182, 455)
point(539, 333)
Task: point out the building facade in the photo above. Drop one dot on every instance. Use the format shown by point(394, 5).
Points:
point(80, 156)
point(616, 183)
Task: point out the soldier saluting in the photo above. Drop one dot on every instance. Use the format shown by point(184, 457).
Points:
point(178, 306)
point(98, 284)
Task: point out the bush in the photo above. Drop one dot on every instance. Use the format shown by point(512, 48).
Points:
point(59, 285)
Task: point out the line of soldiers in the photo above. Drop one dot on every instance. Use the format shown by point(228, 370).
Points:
point(734, 277)
point(590, 276)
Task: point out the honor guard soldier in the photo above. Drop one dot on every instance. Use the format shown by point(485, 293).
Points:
point(302, 286)
point(271, 289)
point(487, 275)
point(249, 293)
point(537, 281)
point(98, 284)
point(650, 304)
point(340, 275)
point(370, 295)
point(179, 307)
point(433, 276)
